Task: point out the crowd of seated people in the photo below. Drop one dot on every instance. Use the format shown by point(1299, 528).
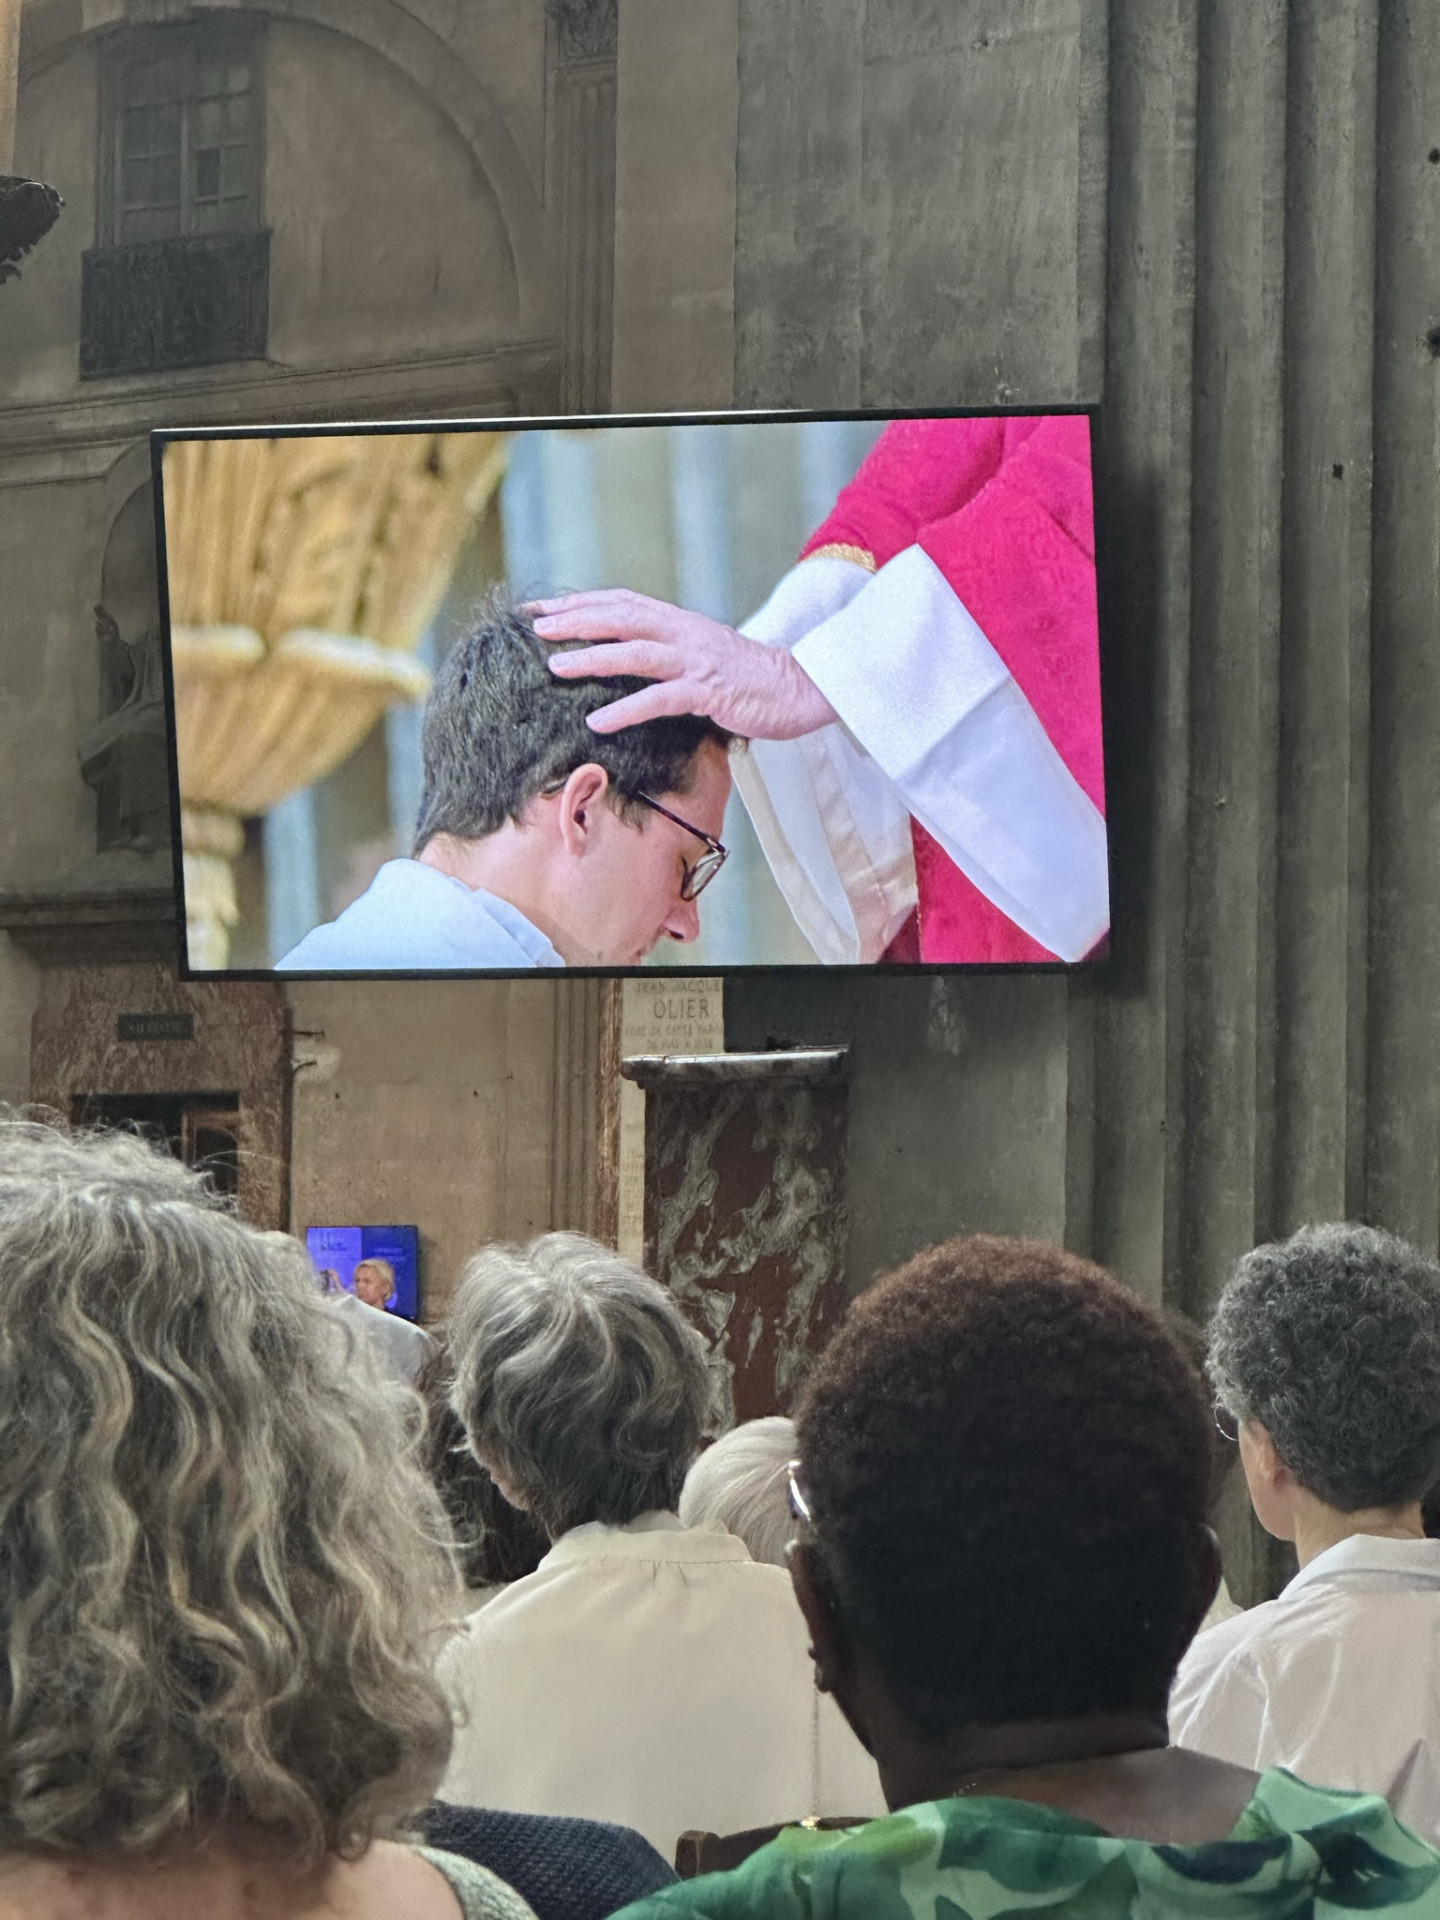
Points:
point(1003, 1476)
point(287, 1636)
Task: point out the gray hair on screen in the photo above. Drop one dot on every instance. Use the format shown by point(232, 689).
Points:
point(222, 1569)
point(741, 1484)
point(1331, 1341)
point(500, 729)
point(578, 1379)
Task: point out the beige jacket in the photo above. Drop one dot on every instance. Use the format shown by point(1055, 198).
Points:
point(653, 1675)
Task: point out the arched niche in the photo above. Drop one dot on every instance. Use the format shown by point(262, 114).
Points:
point(385, 225)
point(123, 758)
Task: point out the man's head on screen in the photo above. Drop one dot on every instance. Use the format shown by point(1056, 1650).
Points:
point(598, 839)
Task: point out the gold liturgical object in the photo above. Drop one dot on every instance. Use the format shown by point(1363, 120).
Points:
point(302, 573)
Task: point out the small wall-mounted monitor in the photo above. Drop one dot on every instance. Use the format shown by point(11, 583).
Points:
point(692, 693)
point(380, 1265)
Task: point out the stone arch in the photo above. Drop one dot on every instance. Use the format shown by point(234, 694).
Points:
point(55, 28)
point(129, 584)
point(127, 490)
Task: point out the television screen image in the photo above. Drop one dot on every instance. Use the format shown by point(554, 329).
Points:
point(379, 1265)
point(677, 693)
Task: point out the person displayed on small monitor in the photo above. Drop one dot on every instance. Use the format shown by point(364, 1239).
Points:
point(374, 1282)
point(401, 1347)
point(539, 843)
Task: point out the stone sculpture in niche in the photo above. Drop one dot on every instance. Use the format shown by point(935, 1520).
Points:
point(28, 210)
point(124, 757)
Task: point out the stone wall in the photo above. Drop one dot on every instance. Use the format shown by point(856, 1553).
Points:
point(235, 1044)
point(421, 170)
point(1218, 221)
point(1263, 1046)
point(467, 1107)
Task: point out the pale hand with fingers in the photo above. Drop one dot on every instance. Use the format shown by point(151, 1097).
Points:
point(698, 665)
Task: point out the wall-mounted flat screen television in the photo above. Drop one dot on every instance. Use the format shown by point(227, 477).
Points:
point(687, 693)
point(379, 1265)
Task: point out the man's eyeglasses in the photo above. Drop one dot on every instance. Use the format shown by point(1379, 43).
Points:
point(697, 876)
point(704, 870)
point(1226, 1423)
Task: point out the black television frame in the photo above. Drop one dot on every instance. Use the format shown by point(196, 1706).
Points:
point(1098, 963)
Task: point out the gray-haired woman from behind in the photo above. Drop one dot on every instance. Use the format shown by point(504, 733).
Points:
point(742, 1484)
point(220, 1569)
point(1325, 1352)
point(645, 1673)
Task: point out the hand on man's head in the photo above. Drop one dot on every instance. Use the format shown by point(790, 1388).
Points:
point(698, 665)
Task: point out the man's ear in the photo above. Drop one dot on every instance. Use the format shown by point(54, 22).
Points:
point(587, 789)
point(828, 1644)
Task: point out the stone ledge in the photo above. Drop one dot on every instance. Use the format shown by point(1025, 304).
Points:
point(804, 1066)
point(93, 929)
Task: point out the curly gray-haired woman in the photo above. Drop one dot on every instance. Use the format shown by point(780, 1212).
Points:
point(221, 1570)
point(1325, 1356)
point(646, 1672)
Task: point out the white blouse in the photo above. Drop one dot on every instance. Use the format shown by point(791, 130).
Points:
point(1338, 1679)
point(653, 1675)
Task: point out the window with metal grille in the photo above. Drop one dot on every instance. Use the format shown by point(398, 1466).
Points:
point(181, 274)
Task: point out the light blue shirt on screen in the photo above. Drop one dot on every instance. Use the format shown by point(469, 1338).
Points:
point(412, 918)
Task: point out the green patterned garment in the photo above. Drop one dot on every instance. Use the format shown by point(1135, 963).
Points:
point(1297, 1853)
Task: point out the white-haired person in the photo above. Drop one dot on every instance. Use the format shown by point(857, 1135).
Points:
point(1325, 1352)
point(402, 1347)
point(741, 1484)
point(221, 1570)
point(645, 1673)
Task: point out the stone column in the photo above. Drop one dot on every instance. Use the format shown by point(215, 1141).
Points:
point(677, 105)
point(586, 33)
point(584, 1177)
point(9, 79)
point(745, 1209)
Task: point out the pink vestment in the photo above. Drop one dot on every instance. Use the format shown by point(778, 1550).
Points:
point(1003, 508)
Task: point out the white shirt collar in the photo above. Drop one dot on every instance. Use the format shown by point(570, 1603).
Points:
point(477, 906)
point(1416, 1562)
point(650, 1536)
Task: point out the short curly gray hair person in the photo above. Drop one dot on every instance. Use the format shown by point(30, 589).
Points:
point(1331, 1341)
point(221, 1570)
point(742, 1484)
point(579, 1381)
